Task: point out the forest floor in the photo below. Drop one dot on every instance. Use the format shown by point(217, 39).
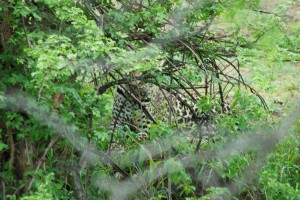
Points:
point(279, 84)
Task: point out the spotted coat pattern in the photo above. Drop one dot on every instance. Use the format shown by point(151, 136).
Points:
point(137, 106)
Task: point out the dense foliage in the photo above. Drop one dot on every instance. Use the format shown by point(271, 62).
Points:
point(61, 61)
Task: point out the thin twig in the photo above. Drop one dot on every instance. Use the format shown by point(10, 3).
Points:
point(12, 148)
point(3, 190)
point(25, 33)
point(41, 160)
point(169, 151)
point(89, 135)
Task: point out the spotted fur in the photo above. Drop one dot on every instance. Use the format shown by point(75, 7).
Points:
point(138, 106)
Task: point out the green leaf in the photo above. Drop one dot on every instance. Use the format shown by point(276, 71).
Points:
point(3, 146)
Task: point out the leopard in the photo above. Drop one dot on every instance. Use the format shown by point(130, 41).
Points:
point(139, 105)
